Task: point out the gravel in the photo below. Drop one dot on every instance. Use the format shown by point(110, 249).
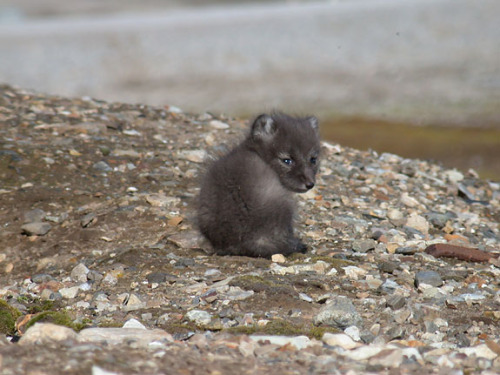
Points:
point(401, 276)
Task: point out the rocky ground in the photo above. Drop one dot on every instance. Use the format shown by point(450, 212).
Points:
point(102, 272)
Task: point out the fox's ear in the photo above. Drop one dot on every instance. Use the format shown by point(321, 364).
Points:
point(313, 121)
point(263, 128)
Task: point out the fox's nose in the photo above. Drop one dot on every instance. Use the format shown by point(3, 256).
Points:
point(309, 185)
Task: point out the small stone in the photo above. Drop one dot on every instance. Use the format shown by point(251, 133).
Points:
point(216, 124)
point(338, 312)
point(396, 301)
point(387, 267)
point(79, 273)
point(69, 293)
point(362, 246)
point(43, 333)
point(339, 339)
point(408, 201)
point(157, 277)
point(396, 332)
point(454, 176)
point(305, 297)
point(299, 342)
point(36, 229)
point(428, 277)
point(187, 240)
point(199, 317)
point(102, 166)
point(278, 258)
point(195, 156)
point(353, 333)
point(394, 214)
point(418, 222)
point(133, 323)
point(116, 336)
point(35, 215)
point(88, 219)
point(212, 272)
point(41, 278)
point(96, 370)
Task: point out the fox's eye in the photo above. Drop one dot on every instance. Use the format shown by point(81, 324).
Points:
point(313, 160)
point(287, 161)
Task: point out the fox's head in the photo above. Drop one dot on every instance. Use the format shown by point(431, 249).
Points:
point(290, 146)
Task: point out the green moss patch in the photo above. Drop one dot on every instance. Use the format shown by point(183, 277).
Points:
point(8, 317)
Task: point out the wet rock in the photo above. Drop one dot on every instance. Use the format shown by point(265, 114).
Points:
point(44, 333)
point(428, 277)
point(338, 312)
point(36, 229)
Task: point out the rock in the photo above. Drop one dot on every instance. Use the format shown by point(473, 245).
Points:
point(418, 222)
point(453, 176)
point(96, 370)
point(88, 219)
point(36, 229)
point(41, 278)
point(396, 301)
point(188, 240)
point(338, 312)
point(463, 253)
point(44, 333)
point(117, 336)
point(199, 317)
point(387, 267)
point(156, 277)
point(428, 277)
point(79, 273)
point(362, 246)
point(34, 216)
point(408, 201)
point(102, 166)
point(216, 124)
point(69, 293)
point(278, 258)
point(299, 342)
point(195, 156)
point(133, 323)
point(339, 339)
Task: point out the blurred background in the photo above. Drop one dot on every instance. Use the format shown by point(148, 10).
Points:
point(420, 78)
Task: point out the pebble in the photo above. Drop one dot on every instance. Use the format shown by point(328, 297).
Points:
point(299, 342)
point(134, 323)
point(396, 301)
point(102, 166)
point(69, 293)
point(408, 201)
point(199, 317)
point(216, 124)
point(338, 312)
point(44, 333)
point(418, 222)
point(362, 246)
point(36, 229)
point(79, 273)
point(428, 277)
point(195, 156)
point(35, 215)
point(117, 336)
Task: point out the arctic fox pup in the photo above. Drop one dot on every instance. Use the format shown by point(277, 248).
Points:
point(245, 203)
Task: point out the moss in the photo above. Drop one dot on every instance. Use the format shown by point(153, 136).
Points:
point(8, 317)
point(39, 306)
point(57, 317)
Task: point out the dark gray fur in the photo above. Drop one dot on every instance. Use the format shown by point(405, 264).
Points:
point(245, 203)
